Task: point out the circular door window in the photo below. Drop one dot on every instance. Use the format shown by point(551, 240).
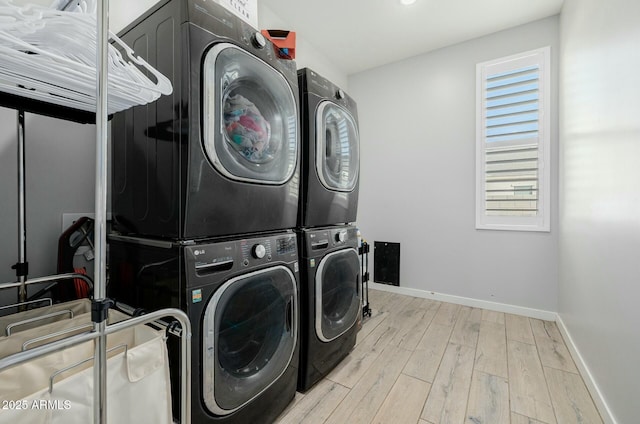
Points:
point(337, 147)
point(250, 119)
point(337, 293)
point(249, 337)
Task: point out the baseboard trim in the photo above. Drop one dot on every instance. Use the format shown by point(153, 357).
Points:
point(467, 301)
point(589, 381)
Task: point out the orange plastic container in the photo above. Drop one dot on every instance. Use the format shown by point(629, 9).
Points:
point(284, 40)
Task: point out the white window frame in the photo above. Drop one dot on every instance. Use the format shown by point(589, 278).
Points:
point(541, 222)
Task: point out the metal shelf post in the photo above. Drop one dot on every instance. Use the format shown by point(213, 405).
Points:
point(100, 237)
point(22, 268)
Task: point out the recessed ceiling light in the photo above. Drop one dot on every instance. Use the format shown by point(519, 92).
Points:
point(407, 2)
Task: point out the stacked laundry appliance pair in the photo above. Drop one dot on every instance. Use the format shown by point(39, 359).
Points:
point(330, 265)
point(205, 203)
point(211, 188)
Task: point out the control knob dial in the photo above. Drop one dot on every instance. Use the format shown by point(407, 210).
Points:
point(258, 251)
point(341, 236)
point(258, 40)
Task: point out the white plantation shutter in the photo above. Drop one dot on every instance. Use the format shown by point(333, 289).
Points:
point(512, 153)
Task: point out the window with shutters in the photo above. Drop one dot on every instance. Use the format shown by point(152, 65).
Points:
point(512, 143)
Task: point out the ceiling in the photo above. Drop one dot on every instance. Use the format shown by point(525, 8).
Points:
point(362, 34)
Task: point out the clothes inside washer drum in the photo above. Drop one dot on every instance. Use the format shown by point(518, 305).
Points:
point(246, 129)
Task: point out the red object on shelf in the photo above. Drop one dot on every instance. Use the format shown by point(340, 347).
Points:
point(284, 40)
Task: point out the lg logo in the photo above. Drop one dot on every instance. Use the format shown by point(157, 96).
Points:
point(198, 252)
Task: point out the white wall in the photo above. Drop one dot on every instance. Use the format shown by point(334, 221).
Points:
point(417, 130)
point(60, 158)
point(599, 283)
point(123, 12)
point(8, 193)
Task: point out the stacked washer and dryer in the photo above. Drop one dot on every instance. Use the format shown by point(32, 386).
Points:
point(205, 192)
point(327, 238)
point(234, 200)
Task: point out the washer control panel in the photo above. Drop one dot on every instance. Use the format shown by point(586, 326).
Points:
point(226, 256)
point(256, 42)
point(323, 239)
point(211, 258)
point(344, 235)
point(255, 251)
point(286, 245)
point(319, 240)
point(321, 86)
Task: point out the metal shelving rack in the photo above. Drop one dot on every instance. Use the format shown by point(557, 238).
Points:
point(100, 303)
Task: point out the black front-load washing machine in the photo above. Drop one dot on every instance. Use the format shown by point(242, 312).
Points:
point(330, 152)
point(219, 156)
point(242, 298)
point(330, 286)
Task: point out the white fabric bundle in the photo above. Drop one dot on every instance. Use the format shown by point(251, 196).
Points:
point(50, 55)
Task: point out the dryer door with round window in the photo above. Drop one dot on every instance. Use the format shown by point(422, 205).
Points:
point(337, 147)
point(249, 117)
point(249, 337)
point(337, 286)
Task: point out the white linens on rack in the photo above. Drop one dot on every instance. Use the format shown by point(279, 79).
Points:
point(138, 387)
point(50, 55)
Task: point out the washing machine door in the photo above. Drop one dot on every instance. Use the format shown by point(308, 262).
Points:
point(337, 287)
point(337, 147)
point(249, 337)
point(250, 117)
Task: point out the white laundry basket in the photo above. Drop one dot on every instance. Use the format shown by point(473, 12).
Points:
point(58, 388)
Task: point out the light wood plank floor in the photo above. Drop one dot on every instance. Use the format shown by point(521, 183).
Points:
point(419, 361)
